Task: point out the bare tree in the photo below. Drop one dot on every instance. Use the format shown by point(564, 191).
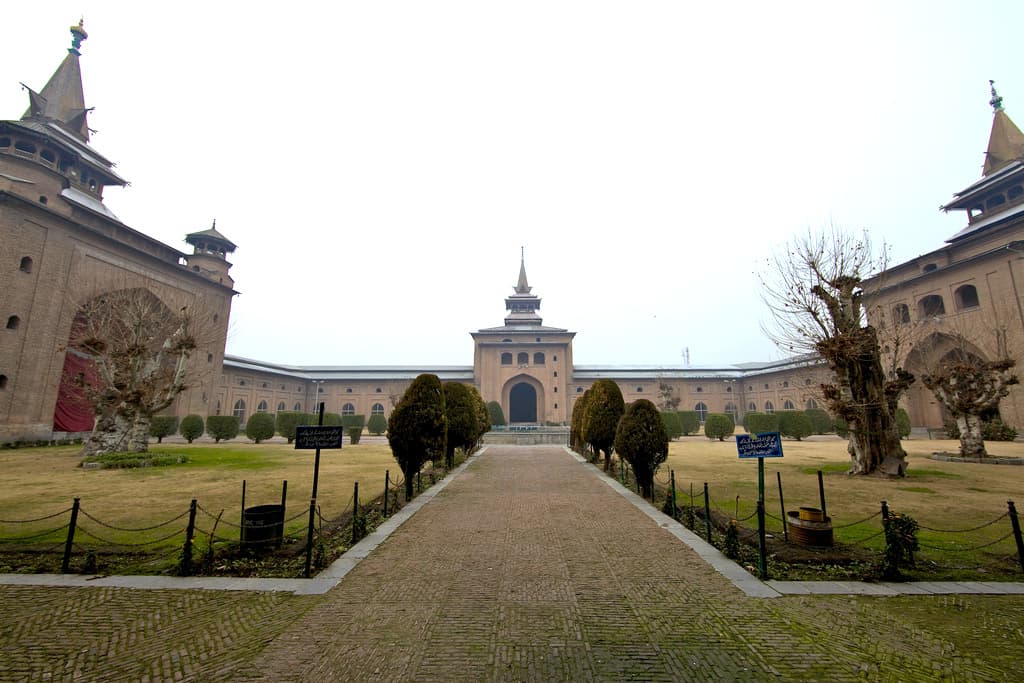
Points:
point(667, 400)
point(140, 350)
point(815, 294)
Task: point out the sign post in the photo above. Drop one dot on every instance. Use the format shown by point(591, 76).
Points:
point(760, 446)
point(307, 437)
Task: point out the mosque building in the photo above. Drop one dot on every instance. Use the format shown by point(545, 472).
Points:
point(61, 246)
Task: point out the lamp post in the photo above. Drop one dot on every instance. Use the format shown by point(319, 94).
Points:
point(316, 393)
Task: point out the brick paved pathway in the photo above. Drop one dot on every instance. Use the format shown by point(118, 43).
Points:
point(527, 567)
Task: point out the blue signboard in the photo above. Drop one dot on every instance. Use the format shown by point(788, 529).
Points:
point(767, 445)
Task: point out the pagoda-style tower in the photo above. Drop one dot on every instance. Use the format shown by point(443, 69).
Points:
point(209, 255)
point(522, 305)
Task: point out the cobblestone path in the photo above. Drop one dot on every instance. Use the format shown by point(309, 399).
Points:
point(527, 567)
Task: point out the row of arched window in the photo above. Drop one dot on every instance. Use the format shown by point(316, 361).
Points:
point(932, 306)
point(522, 358)
point(238, 410)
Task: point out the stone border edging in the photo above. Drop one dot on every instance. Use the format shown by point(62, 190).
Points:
point(988, 460)
point(756, 588)
point(321, 583)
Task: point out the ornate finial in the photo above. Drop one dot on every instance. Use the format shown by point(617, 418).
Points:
point(214, 226)
point(78, 34)
point(522, 253)
point(996, 101)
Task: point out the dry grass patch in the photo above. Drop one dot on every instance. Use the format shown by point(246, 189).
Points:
point(940, 495)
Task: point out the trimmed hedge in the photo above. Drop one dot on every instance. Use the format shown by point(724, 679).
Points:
point(349, 421)
point(690, 421)
point(718, 426)
point(222, 427)
point(330, 420)
point(260, 427)
point(192, 427)
point(377, 425)
point(795, 424)
point(758, 423)
point(672, 424)
point(288, 420)
point(353, 434)
point(496, 413)
point(163, 425)
point(821, 421)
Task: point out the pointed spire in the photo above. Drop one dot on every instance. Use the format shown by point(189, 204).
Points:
point(523, 287)
point(1005, 142)
point(62, 99)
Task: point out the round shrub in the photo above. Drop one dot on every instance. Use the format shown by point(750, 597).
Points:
point(795, 425)
point(759, 423)
point(288, 420)
point(377, 425)
point(903, 423)
point(641, 440)
point(163, 425)
point(673, 425)
point(496, 413)
point(690, 421)
point(222, 427)
point(417, 427)
point(718, 426)
point(821, 421)
point(353, 434)
point(192, 427)
point(260, 427)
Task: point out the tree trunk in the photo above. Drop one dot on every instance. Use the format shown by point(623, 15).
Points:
point(113, 433)
point(971, 443)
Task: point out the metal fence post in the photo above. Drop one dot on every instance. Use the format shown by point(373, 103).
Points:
point(762, 543)
point(672, 486)
point(190, 531)
point(355, 513)
point(66, 562)
point(309, 536)
point(387, 490)
point(707, 511)
point(782, 504)
point(1016, 532)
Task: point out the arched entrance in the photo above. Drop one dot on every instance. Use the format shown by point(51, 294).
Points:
point(522, 401)
point(928, 354)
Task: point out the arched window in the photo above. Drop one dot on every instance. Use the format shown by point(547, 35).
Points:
point(700, 390)
point(217, 410)
point(752, 407)
point(280, 406)
point(348, 390)
point(262, 407)
point(523, 358)
point(730, 409)
point(788, 405)
point(13, 322)
point(901, 314)
point(506, 358)
point(298, 407)
point(702, 411)
point(579, 390)
point(812, 404)
point(639, 390)
point(26, 264)
point(966, 297)
point(377, 409)
point(929, 267)
point(785, 384)
point(1015, 192)
point(239, 410)
point(769, 407)
point(931, 306)
point(379, 390)
point(348, 409)
point(538, 358)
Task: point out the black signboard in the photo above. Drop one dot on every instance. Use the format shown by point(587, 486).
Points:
point(309, 437)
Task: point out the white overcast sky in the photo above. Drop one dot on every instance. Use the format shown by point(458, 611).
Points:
point(380, 164)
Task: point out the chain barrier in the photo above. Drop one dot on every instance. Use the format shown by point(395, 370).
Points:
point(965, 550)
point(213, 516)
point(215, 537)
point(37, 519)
point(128, 545)
point(146, 528)
point(41, 534)
point(962, 531)
point(860, 521)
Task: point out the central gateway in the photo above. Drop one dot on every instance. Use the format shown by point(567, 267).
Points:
point(524, 364)
point(522, 404)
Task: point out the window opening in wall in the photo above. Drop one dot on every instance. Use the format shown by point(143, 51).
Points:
point(639, 390)
point(218, 408)
point(966, 297)
point(554, 359)
point(556, 373)
point(239, 410)
point(931, 306)
point(319, 390)
point(506, 341)
point(379, 390)
point(538, 359)
point(555, 390)
point(523, 359)
point(48, 156)
point(298, 407)
point(264, 385)
point(348, 390)
point(13, 322)
point(209, 358)
point(241, 382)
point(506, 359)
point(702, 411)
point(26, 264)
point(377, 409)
point(3, 381)
point(901, 314)
point(769, 407)
point(929, 267)
point(730, 409)
point(812, 404)
point(766, 385)
point(280, 406)
point(43, 199)
point(348, 409)
point(752, 407)
point(556, 406)
point(24, 147)
point(788, 405)
point(785, 384)
point(5, 142)
point(579, 390)
point(262, 407)
point(700, 390)
point(998, 200)
point(1015, 192)
point(538, 338)
point(728, 389)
